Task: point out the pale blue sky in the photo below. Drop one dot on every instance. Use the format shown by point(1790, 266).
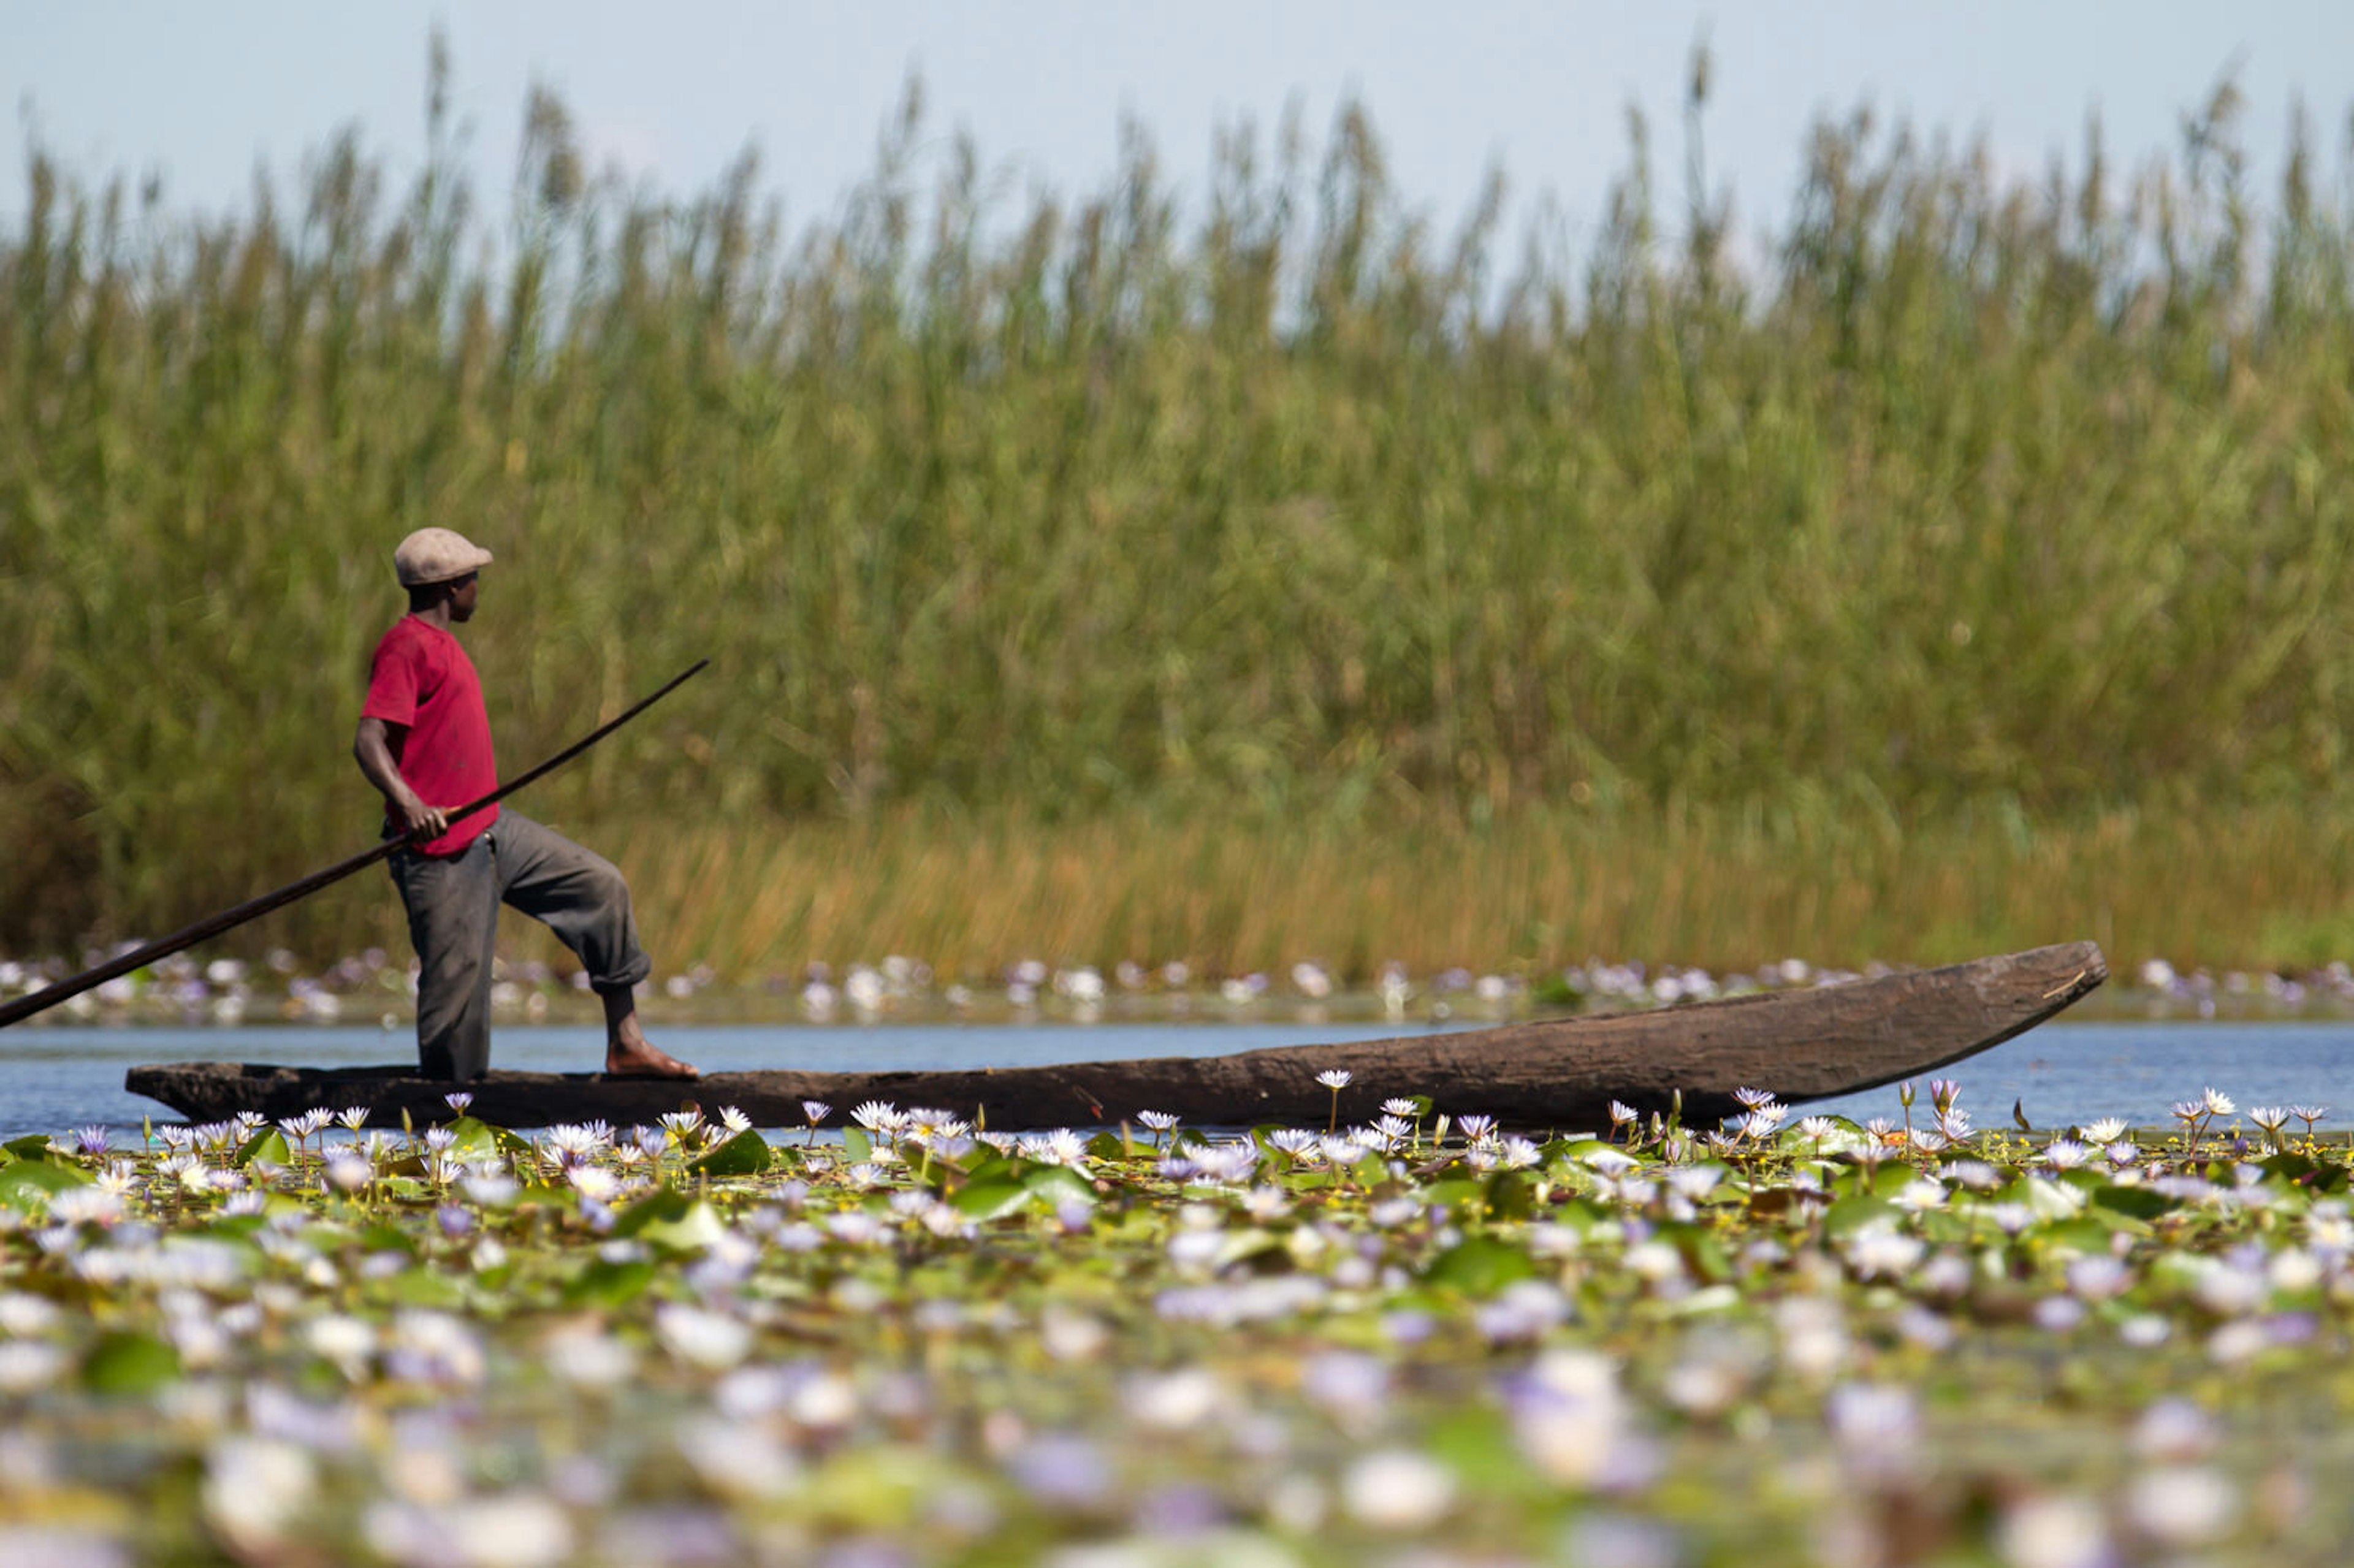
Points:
point(201, 93)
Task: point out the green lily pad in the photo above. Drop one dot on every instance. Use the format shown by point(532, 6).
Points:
point(2304, 1171)
point(1479, 1266)
point(669, 1218)
point(2138, 1202)
point(1850, 1214)
point(745, 1154)
point(1060, 1184)
point(604, 1283)
point(25, 1182)
point(424, 1287)
point(129, 1363)
point(1452, 1191)
point(269, 1144)
point(992, 1200)
point(1510, 1195)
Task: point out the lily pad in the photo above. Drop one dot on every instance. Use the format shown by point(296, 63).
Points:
point(1479, 1266)
point(127, 1362)
point(745, 1154)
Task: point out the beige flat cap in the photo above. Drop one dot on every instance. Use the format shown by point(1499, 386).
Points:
point(435, 555)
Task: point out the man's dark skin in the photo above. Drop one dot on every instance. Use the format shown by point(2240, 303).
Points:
point(628, 1052)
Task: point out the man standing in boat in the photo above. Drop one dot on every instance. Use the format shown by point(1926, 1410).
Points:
point(424, 741)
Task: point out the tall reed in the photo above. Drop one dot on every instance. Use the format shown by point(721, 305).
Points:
point(1269, 504)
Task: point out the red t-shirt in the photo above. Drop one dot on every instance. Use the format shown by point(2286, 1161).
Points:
point(424, 688)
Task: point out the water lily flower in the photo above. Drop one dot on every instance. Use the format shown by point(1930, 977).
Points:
point(27, 1365)
point(1341, 1153)
point(735, 1460)
point(514, 1530)
point(1232, 1161)
point(489, 1187)
point(2049, 1531)
point(1881, 1252)
point(1062, 1470)
point(594, 1182)
point(1875, 1425)
point(1921, 1194)
point(712, 1341)
point(2327, 1229)
point(879, 1118)
point(2180, 1504)
point(254, 1490)
point(1398, 1490)
point(348, 1172)
point(345, 1341)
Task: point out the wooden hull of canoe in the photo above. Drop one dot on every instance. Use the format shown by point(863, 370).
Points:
point(1552, 1074)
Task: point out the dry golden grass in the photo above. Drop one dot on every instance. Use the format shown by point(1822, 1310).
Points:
point(1530, 893)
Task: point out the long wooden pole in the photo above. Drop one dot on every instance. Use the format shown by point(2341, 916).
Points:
point(213, 926)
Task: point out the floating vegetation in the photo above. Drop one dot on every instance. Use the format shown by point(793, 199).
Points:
point(888, 1337)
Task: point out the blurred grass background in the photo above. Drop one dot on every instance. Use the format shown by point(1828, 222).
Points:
point(1236, 575)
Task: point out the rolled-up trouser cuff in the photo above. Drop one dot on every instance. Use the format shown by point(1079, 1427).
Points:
point(454, 906)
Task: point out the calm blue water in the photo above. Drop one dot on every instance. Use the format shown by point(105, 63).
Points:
point(56, 1078)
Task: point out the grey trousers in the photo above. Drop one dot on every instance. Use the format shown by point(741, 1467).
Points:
point(453, 920)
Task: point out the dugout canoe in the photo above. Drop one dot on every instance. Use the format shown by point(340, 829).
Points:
point(1562, 1073)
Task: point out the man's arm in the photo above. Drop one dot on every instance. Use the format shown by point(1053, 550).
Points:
point(413, 816)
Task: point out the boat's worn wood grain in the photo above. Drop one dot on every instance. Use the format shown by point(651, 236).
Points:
point(1561, 1072)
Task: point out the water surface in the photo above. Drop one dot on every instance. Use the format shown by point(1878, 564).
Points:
point(55, 1078)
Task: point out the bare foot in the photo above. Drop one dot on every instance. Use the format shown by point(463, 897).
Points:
point(628, 1053)
point(644, 1060)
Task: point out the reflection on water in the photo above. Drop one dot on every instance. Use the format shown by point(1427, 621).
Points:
point(55, 1078)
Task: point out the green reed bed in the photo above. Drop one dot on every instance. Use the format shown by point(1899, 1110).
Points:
point(1401, 1338)
point(1955, 501)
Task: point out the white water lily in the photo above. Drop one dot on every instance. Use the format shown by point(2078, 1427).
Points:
point(1920, 1195)
point(344, 1340)
point(255, 1491)
point(709, 1340)
point(1399, 1489)
point(594, 1182)
point(515, 1530)
point(27, 1365)
point(2053, 1199)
